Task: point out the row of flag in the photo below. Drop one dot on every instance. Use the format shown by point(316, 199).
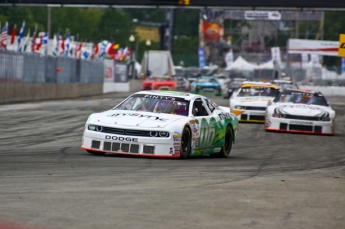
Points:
point(59, 45)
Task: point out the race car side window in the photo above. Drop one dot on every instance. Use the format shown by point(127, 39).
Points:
point(210, 106)
point(199, 108)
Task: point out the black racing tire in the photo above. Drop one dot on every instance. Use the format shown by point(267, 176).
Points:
point(95, 153)
point(227, 145)
point(185, 145)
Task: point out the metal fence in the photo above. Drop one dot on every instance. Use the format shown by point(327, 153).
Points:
point(35, 68)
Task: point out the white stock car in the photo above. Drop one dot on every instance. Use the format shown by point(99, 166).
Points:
point(300, 111)
point(162, 124)
point(253, 97)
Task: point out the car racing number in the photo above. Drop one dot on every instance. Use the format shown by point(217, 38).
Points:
point(207, 133)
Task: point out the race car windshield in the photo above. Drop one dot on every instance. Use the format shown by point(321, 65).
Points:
point(258, 91)
point(302, 98)
point(156, 104)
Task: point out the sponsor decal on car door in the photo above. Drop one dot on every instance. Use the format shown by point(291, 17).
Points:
point(207, 132)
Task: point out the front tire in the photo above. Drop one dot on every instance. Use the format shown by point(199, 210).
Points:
point(95, 153)
point(185, 144)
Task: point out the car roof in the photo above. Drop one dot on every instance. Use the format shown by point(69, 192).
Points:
point(258, 84)
point(179, 94)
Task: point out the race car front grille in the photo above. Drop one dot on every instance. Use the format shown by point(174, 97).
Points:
point(257, 117)
point(301, 128)
point(95, 144)
point(300, 117)
point(121, 147)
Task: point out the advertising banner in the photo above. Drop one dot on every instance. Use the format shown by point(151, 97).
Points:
point(108, 71)
point(121, 74)
point(211, 31)
point(262, 15)
point(324, 48)
point(202, 60)
point(341, 51)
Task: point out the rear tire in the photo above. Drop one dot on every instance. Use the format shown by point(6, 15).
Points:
point(95, 153)
point(185, 144)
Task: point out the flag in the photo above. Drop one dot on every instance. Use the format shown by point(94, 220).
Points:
point(33, 40)
point(95, 51)
point(62, 47)
point(25, 42)
point(67, 44)
point(78, 50)
point(38, 43)
point(21, 35)
point(85, 53)
point(14, 33)
point(3, 37)
point(124, 54)
point(102, 48)
point(55, 45)
point(44, 43)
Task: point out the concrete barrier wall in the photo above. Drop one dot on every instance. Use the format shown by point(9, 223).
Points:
point(32, 92)
point(327, 91)
point(26, 92)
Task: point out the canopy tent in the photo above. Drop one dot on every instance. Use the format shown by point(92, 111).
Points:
point(268, 65)
point(241, 64)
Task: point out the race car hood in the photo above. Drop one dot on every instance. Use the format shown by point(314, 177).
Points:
point(302, 109)
point(252, 101)
point(134, 119)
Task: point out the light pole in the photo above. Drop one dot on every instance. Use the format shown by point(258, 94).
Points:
point(148, 44)
point(131, 40)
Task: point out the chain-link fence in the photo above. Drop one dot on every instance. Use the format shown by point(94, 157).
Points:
point(34, 68)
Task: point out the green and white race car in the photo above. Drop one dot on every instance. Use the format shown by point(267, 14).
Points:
point(162, 124)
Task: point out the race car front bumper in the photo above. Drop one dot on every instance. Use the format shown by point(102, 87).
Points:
point(299, 126)
point(131, 145)
point(252, 116)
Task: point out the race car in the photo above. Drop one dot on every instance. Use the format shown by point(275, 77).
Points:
point(182, 84)
point(162, 124)
point(159, 83)
point(206, 84)
point(300, 111)
point(231, 86)
point(253, 97)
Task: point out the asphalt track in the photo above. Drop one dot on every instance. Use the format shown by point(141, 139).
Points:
point(270, 181)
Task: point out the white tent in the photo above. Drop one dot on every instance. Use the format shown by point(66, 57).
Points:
point(241, 64)
point(267, 65)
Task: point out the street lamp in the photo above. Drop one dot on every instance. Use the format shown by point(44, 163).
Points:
point(148, 44)
point(131, 40)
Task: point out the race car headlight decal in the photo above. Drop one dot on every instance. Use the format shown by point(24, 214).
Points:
point(91, 127)
point(164, 134)
point(277, 113)
point(99, 128)
point(325, 116)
